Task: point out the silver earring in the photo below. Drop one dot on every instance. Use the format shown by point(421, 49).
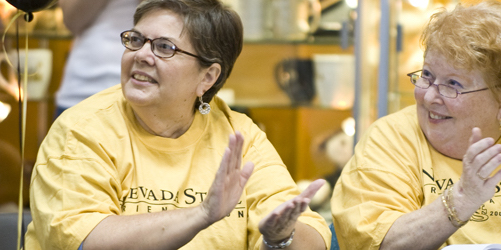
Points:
point(204, 107)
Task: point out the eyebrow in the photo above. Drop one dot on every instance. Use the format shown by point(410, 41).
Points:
point(173, 40)
point(450, 75)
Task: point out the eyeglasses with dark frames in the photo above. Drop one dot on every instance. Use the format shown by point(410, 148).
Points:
point(443, 89)
point(161, 47)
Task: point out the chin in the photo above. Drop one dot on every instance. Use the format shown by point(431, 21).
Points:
point(136, 96)
point(451, 147)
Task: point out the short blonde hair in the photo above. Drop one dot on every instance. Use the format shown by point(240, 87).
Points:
point(470, 38)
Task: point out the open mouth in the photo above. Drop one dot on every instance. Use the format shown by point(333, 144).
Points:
point(143, 78)
point(439, 117)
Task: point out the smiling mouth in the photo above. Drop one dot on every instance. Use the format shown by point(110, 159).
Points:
point(439, 117)
point(143, 78)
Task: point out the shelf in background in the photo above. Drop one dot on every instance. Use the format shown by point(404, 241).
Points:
point(43, 34)
point(297, 134)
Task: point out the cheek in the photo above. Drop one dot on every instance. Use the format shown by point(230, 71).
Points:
point(419, 95)
point(126, 65)
point(127, 60)
point(480, 111)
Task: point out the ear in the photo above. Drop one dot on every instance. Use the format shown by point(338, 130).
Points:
point(209, 78)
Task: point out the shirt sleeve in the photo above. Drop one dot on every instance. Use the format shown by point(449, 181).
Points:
point(73, 188)
point(269, 186)
point(379, 184)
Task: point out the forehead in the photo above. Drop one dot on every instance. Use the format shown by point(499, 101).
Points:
point(436, 61)
point(440, 67)
point(161, 23)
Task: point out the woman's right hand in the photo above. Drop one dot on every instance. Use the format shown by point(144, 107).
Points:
point(477, 184)
point(279, 224)
point(229, 183)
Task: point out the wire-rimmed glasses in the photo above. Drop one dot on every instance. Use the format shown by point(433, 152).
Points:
point(443, 89)
point(161, 47)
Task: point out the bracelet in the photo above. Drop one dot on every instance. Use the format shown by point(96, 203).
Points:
point(447, 199)
point(459, 222)
point(282, 244)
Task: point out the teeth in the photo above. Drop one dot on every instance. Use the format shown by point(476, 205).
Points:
point(143, 78)
point(433, 116)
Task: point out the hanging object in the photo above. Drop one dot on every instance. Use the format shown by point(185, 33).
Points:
point(27, 6)
point(32, 5)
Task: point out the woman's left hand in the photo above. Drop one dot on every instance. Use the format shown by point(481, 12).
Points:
point(478, 184)
point(279, 224)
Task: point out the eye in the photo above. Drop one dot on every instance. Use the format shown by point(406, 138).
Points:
point(426, 74)
point(136, 40)
point(164, 46)
point(455, 84)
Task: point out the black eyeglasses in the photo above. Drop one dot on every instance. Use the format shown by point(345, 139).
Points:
point(443, 89)
point(161, 47)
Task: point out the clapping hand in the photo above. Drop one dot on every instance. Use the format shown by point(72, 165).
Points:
point(279, 224)
point(229, 183)
point(477, 184)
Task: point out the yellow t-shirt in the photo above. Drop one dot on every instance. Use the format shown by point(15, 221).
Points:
point(395, 171)
point(98, 161)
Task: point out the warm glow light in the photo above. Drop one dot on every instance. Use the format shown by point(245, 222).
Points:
point(4, 110)
point(351, 3)
point(6, 11)
point(420, 4)
point(6, 8)
point(348, 126)
point(342, 105)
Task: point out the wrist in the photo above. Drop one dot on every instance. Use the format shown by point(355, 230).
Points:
point(204, 216)
point(464, 207)
point(280, 244)
point(450, 204)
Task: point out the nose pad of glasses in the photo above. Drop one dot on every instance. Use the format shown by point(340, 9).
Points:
point(145, 53)
point(435, 90)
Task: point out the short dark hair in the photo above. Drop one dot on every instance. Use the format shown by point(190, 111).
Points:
point(214, 30)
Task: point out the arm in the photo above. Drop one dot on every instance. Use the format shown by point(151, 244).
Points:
point(416, 229)
point(152, 231)
point(410, 229)
point(173, 229)
point(79, 14)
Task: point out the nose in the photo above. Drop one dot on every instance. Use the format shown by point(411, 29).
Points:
point(432, 94)
point(145, 54)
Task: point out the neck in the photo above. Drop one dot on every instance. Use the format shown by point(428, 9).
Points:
point(164, 124)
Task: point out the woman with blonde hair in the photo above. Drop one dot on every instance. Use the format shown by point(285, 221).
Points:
point(428, 176)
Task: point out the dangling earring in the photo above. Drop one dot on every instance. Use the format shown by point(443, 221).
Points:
point(204, 107)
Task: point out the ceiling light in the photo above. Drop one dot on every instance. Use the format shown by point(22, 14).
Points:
point(420, 4)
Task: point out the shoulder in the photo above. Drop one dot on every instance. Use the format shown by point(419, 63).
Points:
point(94, 117)
point(393, 138)
point(93, 105)
point(401, 124)
point(256, 143)
point(404, 119)
point(237, 120)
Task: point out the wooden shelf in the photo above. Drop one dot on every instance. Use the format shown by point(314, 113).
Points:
point(297, 132)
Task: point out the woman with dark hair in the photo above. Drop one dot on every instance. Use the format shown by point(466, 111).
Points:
point(147, 164)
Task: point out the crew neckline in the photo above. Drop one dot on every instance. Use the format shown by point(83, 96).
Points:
point(191, 136)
